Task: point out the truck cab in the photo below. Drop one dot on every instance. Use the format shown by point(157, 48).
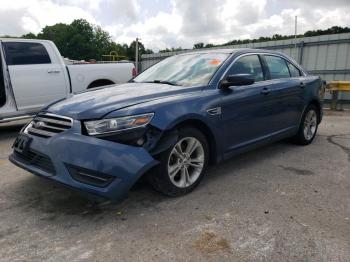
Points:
point(34, 74)
point(33, 67)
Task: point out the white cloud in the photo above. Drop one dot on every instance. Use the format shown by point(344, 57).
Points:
point(87, 4)
point(178, 23)
point(32, 15)
point(118, 11)
point(157, 32)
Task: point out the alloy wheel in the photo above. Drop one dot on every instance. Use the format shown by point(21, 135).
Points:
point(186, 162)
point(310, 125)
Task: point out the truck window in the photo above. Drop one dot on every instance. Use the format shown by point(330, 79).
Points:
point(2, 83)
point(22, 53)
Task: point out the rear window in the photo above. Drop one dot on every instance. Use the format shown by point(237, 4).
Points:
point(277, 67)
point(21, 53)
point(294, 72)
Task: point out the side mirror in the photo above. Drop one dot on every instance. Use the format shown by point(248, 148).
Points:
point(237, 80)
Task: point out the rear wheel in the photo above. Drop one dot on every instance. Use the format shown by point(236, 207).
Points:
point(183, 165)
point(308, 126)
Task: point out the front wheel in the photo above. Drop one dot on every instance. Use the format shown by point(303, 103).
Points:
point(308, 126)
point(183, 165)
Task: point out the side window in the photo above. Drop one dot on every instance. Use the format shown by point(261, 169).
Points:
point(22, 53)
point(249, 64)
point(294, 72)
point(277, 67)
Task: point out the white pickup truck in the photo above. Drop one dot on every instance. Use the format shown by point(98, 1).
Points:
point(33, 74)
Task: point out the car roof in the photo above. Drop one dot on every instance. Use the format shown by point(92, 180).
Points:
point(24, 40)
point(232, 51)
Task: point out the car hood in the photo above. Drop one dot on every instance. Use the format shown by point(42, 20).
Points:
point(97, 103)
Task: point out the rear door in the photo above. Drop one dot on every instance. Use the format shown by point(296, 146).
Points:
point(36, 77)
point(286, 88)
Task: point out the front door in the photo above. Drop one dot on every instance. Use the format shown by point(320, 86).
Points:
point(36, 78)
point(247, 111)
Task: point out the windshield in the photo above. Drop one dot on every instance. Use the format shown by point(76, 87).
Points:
point(185, 70)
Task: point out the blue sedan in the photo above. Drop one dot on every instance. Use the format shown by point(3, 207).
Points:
point(172, 121)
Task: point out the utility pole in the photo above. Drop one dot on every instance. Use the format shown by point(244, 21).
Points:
point(137, 55)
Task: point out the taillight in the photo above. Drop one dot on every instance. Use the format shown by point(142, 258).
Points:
point(134, 73)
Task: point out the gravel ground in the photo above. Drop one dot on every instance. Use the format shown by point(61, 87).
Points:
point(278, 203)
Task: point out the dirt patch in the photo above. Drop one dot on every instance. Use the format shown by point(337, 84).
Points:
point(209, 242)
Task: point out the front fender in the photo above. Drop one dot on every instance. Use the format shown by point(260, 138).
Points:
point(181, 119)
point(173, 111)
point(169, 135)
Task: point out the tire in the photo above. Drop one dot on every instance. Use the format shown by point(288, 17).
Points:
point(308, 126)
point(177, 161)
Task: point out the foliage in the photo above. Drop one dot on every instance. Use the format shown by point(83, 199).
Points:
point(332, 30)
point(29, 36)
point(198, 46)
point(130, 51)
point(81, 40)
point(329, 31)
point(171, 50)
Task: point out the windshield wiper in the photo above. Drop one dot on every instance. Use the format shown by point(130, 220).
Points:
point(161, 82)
point(166, 82)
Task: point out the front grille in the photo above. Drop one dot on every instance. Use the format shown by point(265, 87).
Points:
point(36, 159)
point(47, 125)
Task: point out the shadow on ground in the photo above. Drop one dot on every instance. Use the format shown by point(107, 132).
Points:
point(51, 198)
point(9, 131)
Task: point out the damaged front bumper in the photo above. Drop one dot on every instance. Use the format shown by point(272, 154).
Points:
point(104, 168)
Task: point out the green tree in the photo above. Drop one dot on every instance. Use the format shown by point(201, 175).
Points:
point(29, 36)
point(209, 45)
point(81, 40)
point(132, 49)
point(59, 34)
point(198, 45)
point(331, 30)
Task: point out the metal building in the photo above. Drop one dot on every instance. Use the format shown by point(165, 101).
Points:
point(327, 56)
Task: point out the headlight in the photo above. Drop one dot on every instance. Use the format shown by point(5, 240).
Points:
point(103, 126)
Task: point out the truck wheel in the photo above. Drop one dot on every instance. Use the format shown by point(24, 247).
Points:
point(308, 126)
point(183, 165)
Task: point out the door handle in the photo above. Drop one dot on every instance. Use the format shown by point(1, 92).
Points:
point(302, 85)
point(265, 91)
point(54, 71)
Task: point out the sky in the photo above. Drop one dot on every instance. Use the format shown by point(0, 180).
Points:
point(177, 23)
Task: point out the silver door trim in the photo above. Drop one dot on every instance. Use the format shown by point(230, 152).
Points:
point(261, 53)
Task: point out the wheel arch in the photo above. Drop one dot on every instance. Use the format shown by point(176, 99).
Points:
point(318, 105)
point(207, 132)
point(100, 82)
